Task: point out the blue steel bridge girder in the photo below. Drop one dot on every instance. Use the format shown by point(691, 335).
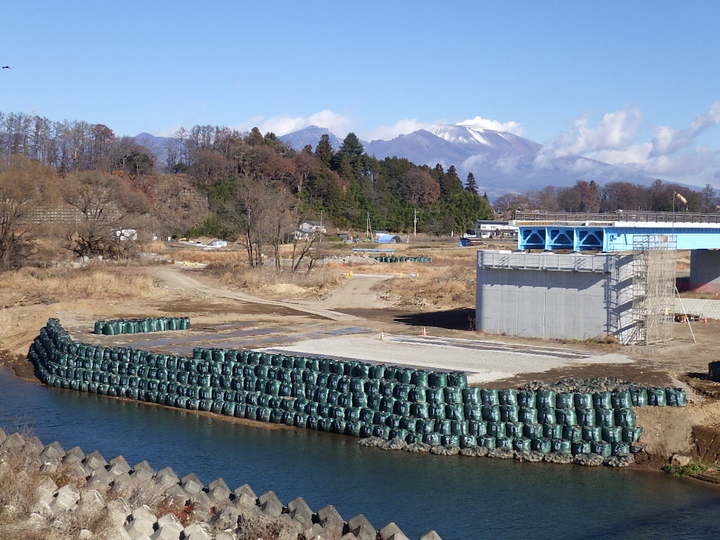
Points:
point(610, 239)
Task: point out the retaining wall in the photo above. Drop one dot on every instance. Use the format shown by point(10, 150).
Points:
point(353, 398)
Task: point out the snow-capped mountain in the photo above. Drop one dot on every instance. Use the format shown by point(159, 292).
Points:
point(501, 161)
point(309, 136)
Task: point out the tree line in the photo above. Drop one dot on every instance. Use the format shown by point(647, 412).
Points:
point(591, 197)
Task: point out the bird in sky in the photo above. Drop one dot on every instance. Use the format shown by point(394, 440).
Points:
point(5, 67)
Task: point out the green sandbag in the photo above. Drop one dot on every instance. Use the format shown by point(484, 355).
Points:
point(592, 433)
point(581, 447)
point(491, 413)
point(457, 379)
point(487, 441)
point(625, 418)
point(420, 410)
point(435, 395)
point(433, 439)
point(489, 397)
point(586, 417)
point(612, 434)
point(526, 398)
point(529, 415)
point(552, 431)
point(675, 397)
point(583, 400)
point(496, 429)
point(656, 397)
point(509, 413)
point(564, 400)
point(476, 428)
point(508, 397)
point(602, 400)
point(561, 446)
point(621, 399)
point(504, 443)
point(514, 429)
point(438, 379)
point(521, 444)
point(545, 399)
point(471, 396)
point(602, 448)
point(631, 434)
point(468, 441)
point(554, 416)
point(533, 431)
point(473, 412)
point(605, 417)
point(573, 433)
point(420, 378)
point(454, 412)
point(541, 445)
point(620, 448)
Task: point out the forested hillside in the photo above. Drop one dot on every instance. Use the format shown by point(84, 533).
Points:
point(248, 176)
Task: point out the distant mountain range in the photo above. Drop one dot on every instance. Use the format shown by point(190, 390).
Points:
point(501, 161)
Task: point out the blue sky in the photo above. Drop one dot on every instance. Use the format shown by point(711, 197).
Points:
point(620, 81)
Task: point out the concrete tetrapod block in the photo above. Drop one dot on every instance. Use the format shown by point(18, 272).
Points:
point(140, 524)
point(53, 452)
point(270, 504)
point(245, 489)
point(45, 490)
point(362, 528)
point(227, 518)
point(330, 520)
point(66, 498)
point(13, 442)
point(91, 500)
point(141, 476)
point(432, 535)
point(218, 490)
point(94, 460)
point(177, 496)
point(166, 477)
point(3, 435)
point(300, 512)
point(118, 534)
point(100, 479)
point(392, 532)
point(76, 452)
point(144, 466)
point(166, 533)
point(34, 446)
point(245, 502)
point(191, 483)
point(223, 535)
point(118, 511)
point(118, 466)
point(197, 532)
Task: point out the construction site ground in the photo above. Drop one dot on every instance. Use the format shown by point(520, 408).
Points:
point(355, 322)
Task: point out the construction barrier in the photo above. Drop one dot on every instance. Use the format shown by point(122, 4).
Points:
point(396, 259)
point(136, 326)
point(351, 397)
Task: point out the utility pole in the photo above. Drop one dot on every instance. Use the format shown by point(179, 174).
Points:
point(368, 230)
point(414, 222)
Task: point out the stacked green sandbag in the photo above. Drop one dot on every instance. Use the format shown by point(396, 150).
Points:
point(397, 259)
point(351, 397)
point(136, 326)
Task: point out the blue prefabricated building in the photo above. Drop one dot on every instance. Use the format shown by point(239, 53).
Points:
point(555, 296)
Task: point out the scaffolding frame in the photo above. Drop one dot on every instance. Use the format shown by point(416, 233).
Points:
point(653, 287)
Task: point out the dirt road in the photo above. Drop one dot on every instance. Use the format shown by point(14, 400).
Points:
point(181, 279)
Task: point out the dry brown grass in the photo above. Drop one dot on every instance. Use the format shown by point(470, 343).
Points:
point(36, 286)
point(283, 284)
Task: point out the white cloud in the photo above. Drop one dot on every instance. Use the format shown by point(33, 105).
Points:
point(615, 130)
point(486, 123)
point(281, 125)
point(668, 141)
point(401, 127)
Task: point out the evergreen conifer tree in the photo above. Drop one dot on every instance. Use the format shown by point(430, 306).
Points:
point(324, 150)
point(470, 184)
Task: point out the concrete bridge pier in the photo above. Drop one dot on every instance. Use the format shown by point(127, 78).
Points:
point(705, 270)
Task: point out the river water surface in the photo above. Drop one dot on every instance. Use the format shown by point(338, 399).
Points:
point(462, 498)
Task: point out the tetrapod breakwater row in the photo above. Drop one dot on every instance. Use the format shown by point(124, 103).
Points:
point(54, 493)
point(423, 410)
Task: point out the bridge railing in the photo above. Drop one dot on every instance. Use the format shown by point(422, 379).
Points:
point(620, 215)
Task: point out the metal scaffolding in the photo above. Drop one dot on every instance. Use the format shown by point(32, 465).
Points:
point(653, 288)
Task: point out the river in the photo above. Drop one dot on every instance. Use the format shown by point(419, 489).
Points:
point(462, 498)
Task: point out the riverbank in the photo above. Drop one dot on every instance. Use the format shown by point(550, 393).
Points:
point(47, 492)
